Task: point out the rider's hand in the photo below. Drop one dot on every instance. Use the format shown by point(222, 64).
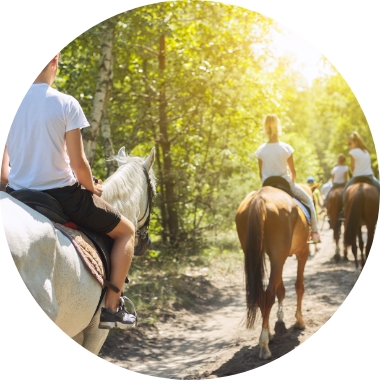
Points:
point(98, 189)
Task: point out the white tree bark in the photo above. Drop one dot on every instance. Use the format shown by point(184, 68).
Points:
point(104, 83)
point(108, 145)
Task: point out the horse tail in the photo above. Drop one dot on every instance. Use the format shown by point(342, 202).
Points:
point(254, 259)
point(353, 216)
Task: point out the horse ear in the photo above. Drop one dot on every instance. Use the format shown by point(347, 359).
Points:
point(149, 161)
point(121, 156)
point(313, 187)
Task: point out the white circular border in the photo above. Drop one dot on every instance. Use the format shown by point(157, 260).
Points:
point(346, 32)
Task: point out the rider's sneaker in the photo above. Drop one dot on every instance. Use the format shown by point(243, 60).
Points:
point(121, 319)
point(142, 247)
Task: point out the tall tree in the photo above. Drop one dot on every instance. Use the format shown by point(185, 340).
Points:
point(103, 84)
point(195, 79)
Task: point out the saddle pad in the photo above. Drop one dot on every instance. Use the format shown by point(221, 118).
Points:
point(304, 209)
point(86, 251)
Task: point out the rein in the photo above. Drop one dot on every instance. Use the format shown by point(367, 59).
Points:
point(142, 232)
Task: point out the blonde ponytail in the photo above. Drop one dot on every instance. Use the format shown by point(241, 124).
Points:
point(356, 138)
point(272, 125)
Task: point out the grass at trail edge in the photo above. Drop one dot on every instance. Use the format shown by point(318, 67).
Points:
point(162, 283)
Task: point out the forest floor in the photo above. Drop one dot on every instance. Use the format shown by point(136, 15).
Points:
point(209, 340)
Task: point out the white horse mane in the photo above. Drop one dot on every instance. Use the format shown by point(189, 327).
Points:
point(125, 188)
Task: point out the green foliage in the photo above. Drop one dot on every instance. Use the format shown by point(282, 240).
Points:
point(201, 102)
point(338, 114)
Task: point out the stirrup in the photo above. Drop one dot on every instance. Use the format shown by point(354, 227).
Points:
point(124, 299)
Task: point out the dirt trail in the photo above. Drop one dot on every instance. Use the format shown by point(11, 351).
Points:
point(211, 341)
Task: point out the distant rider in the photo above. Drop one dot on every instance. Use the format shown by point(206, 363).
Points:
point(275, 157)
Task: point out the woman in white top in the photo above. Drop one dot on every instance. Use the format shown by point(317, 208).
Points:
point(360, 160)
point(275, 158)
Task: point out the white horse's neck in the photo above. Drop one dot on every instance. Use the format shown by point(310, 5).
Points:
point(126, 189)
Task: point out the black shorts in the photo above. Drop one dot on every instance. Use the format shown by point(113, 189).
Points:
point(85, 208)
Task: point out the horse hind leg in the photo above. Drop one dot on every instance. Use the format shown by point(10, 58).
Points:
point(300, 289)
point(354, 249)
point(279, 327)
point(345, 248)
point(269, 299)
point(361, 247)
point(337, 253)
point(336, 238)
point(93, 337)
point(345, 253)
point(265, 334)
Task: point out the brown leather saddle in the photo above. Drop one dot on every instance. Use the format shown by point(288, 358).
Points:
point(361, 179)
point(282, 184)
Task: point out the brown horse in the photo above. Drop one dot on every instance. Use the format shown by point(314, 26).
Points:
point(334, 206)
point(361, 208)
point(269, 221)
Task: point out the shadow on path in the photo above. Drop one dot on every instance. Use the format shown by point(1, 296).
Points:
point(247, 358)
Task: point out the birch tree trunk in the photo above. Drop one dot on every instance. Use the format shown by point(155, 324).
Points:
point(103, 85)
point(108, 145)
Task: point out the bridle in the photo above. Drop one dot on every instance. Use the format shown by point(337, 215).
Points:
point(142, 232)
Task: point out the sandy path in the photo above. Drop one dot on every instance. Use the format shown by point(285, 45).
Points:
point(212, 342)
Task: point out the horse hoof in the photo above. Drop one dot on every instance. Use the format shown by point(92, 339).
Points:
point(337, 257)
point(299, 325)
point(279, 327)
point(265, 354)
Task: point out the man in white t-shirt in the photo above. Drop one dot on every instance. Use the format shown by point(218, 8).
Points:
point(37, 143)
point(47, 124)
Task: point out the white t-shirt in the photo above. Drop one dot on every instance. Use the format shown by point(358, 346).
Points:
point(274, 157)
point(362, 164)
point(339, 171)
point(36, 141)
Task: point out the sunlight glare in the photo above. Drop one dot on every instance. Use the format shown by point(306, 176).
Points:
point(307, 59)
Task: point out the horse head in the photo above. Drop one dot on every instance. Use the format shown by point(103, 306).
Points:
point(315, 186)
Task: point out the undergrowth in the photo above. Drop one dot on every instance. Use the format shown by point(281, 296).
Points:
point(163, 282)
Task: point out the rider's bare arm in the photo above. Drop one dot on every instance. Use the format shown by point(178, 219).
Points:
point(79, 163)
point(292, 169)
point(352, 163)
point(5, 166)
point(260, 168)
